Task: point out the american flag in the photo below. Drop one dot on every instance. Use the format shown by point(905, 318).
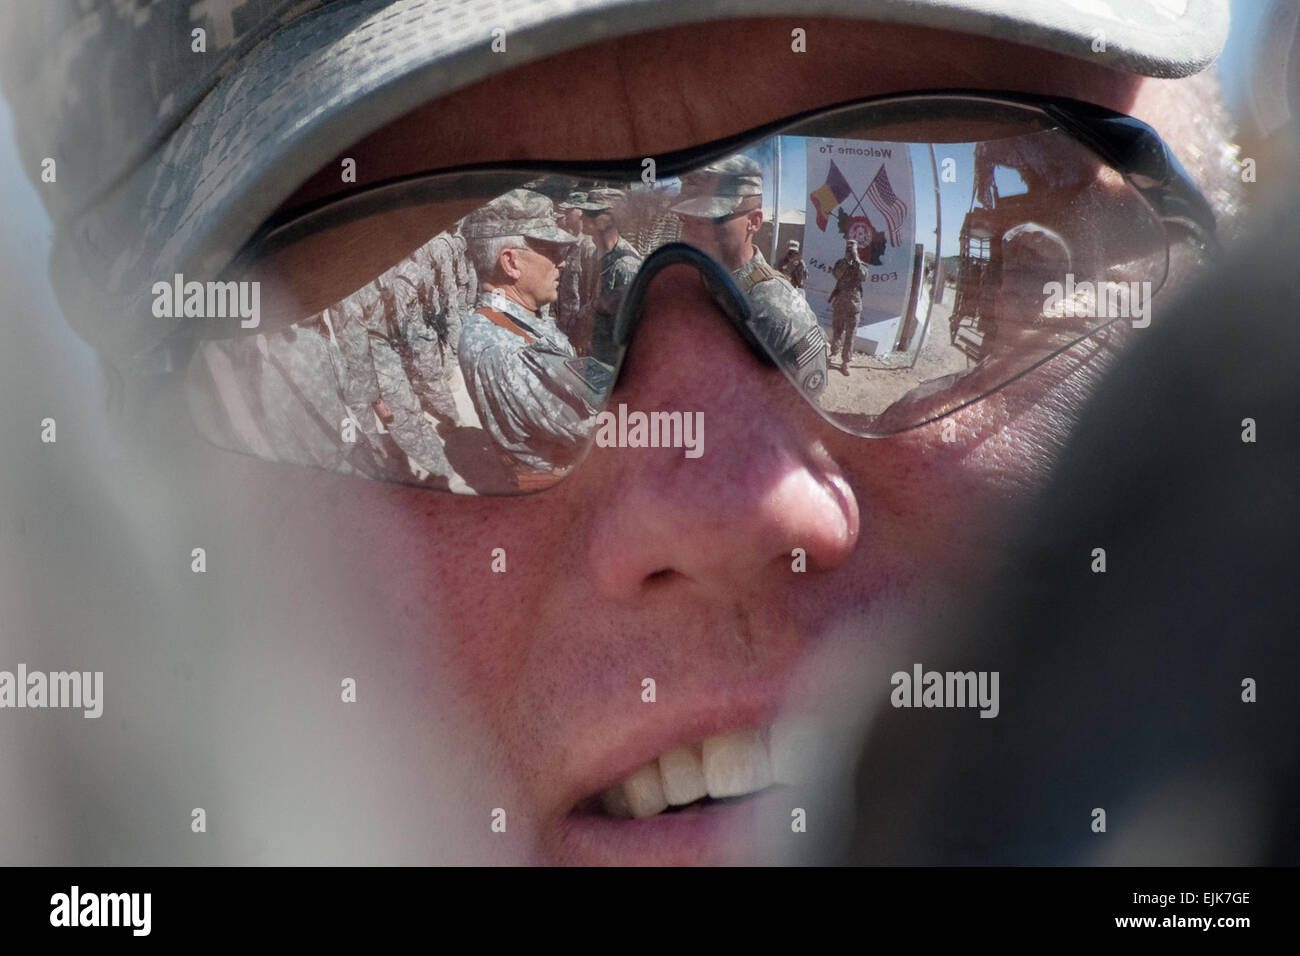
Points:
point(891, 207)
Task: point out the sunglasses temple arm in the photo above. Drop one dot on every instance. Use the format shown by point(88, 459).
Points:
point(1136, 150)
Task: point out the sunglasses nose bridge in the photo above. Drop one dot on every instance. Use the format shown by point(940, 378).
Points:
point(721, 289)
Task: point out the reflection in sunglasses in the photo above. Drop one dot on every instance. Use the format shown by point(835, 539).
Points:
point(465, 366)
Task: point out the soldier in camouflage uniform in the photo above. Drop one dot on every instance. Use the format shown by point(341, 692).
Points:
point(721, 213)
point(792, 265)
point(522, 372)
point(444, 281)
point(573, 308)
point(846, 301)
point(378, 410)
point(619, 264)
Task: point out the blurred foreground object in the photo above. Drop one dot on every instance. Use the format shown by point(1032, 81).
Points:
point(1123, 690)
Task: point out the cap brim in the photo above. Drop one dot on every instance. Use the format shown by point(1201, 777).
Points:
point(336, 74)
point(555, 234)
point(707, 207)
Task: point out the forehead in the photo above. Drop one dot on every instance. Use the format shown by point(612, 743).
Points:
point(672, 89)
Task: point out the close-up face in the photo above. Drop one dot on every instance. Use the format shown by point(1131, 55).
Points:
point(468, 523)
point(645, 564)
point(534, 271)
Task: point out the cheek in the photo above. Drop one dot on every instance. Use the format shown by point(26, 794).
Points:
point(473, 575)
point(422, 568)
point(946, 496)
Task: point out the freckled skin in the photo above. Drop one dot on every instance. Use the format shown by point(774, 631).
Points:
point(644, 563)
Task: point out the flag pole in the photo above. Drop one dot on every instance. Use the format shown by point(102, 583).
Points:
point(776, 204)
point(935, 284)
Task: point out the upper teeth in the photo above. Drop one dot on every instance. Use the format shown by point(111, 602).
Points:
point(725, 765)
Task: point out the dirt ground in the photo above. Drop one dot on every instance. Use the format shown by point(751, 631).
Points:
point(869, 388)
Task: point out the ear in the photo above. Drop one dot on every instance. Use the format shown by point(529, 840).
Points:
point(508, 263)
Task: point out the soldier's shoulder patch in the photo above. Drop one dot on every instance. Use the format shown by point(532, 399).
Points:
point(807, 348)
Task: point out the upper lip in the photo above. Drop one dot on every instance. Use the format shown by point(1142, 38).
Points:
point(637, 742)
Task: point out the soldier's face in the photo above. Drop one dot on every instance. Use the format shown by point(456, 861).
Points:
point(601, 223)
point(536, 272)
point(646, 565)
point(727, 240)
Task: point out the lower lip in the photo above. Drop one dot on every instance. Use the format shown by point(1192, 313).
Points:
point(713, 834)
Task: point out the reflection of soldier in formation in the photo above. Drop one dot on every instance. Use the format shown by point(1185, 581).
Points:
point(577, 278)
point(532, 402)
point(846, 301)
point(619, 263)
point(721, 213)
point(444, 279)
point(792, 266)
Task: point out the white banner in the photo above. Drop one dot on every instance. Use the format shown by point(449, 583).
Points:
point(861, 190)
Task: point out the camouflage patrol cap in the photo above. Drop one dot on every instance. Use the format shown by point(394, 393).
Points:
point(575, 200)
point(599, 200)
point(520, 212)
point(721, 188)
point(172, 149)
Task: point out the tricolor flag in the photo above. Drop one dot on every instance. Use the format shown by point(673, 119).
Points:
point(891, 207)
point(830, 194)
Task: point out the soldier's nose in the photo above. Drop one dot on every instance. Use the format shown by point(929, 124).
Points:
point(726, 523)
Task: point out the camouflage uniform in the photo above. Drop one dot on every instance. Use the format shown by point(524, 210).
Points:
point(792, 266)
point(846, 304)
point(783, 320)
point(529, 402)
point(781, 317)
point(618, 267)
point(520, 400)
point(573, 307)
point(370, 360)
point(442, 276)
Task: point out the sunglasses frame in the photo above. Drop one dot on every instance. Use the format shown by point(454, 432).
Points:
point(1126, 144)
point(1130, 146)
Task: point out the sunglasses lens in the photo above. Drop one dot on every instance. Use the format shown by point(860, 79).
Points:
point(464, 332)
point(371, 360)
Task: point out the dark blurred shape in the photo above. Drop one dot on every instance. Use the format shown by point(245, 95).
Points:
point(1123, 690)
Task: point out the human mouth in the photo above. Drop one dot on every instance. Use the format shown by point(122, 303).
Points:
point(697, 775)
point(704, 800)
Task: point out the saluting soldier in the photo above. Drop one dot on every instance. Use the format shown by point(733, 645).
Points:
point(846, 301)
point(721, 210)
